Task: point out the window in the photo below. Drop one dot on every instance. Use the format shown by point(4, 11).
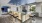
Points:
point(4, 9)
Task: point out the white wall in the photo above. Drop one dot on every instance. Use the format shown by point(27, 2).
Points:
point(5, 3)
point(13, 7)
point(38, 0)
point(38, 9)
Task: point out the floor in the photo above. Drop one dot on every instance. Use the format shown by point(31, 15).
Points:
point(38, 20)
point(8, 19)
point(34, 20)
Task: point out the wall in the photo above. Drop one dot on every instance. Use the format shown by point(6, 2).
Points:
point(38, 9)
point(38, 0)
point(5, 3)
